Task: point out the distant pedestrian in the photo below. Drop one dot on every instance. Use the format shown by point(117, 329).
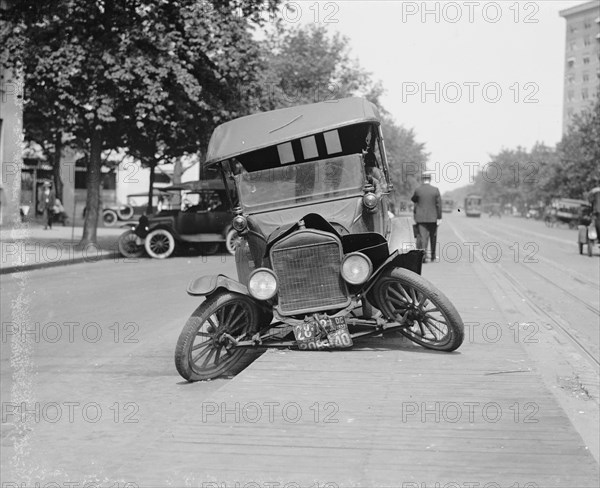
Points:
point(48, 200)
point(427, 213)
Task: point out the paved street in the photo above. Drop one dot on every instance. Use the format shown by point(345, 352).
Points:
point(516, 405)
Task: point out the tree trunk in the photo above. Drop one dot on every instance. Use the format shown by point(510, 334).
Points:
point(151, 188)
point(92, 180)
point(58, 184)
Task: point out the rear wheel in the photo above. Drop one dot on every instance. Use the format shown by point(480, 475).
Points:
point(128, 246)
point(430, 318)
point(205, 349)
point(109, 217)
point(159, 244)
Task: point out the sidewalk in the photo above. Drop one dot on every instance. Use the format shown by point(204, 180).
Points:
point(384, 414)
point(30, 247)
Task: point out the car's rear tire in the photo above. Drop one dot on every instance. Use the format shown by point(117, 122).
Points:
point(109, 218)
point(159, 244)
point(128, 246)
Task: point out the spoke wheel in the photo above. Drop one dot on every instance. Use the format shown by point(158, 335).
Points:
point(430, 318)
point(109, 217)
point(204, 351)
point(128, 246)
point(232, 241)
point(125, 212)
point(159, 244)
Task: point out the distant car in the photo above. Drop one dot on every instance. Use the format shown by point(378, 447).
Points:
point(202, 220)
point(533, 213)
point(136, 205)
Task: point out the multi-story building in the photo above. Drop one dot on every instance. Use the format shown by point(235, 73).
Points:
point(582, 58)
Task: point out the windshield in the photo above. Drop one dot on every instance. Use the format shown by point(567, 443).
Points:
point(314, 181)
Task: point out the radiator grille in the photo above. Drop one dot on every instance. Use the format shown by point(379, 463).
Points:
point(309, 277)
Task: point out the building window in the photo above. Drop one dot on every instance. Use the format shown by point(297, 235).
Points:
point(586, 60)
point(570, 62)
point(570, 95)
point(585, 77)
point(586, 41)
point(572, 46)
point(573, 29)
point(571, 79)
point(584, 94)
point(587, 24)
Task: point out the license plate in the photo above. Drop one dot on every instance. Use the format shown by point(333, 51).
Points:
point(330, 332)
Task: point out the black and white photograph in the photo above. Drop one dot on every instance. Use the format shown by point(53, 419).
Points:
point(300, 244)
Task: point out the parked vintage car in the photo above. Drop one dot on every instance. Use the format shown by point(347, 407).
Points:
point(319, 264)
point(202, 220)
point(136, 206)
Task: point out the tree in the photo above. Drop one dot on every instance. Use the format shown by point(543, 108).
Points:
point(579, 155)
point(308, 64)
point(151, 75)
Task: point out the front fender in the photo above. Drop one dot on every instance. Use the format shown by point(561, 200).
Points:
point(412, 260)
point(207, 285)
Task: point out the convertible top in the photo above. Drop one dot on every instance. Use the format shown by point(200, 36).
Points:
point(265, 129)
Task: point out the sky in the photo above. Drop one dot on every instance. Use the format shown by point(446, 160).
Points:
point(469, 77)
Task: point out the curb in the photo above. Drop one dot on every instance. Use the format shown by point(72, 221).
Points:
point(63, 262)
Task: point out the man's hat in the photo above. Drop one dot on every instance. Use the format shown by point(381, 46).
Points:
point(426, 175)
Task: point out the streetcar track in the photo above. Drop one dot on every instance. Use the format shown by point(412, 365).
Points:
point(564, 290)
point(573, 274)
point(518, 288)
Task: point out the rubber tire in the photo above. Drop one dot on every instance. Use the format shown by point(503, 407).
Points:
point(109, 218)
point(127, 214)
point(170, 240)
point(238, 360)
point(125, 245)
point(231, 241)
point(456, 327)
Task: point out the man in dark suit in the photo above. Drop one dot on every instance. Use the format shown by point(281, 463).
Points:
point(428, 212)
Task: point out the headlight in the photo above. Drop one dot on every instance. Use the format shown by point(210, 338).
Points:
point(262, 284)
point(239, 223)
point(356, 268)
point(370, 201)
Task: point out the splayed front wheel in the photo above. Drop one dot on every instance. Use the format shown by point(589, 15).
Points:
point(207, 344)
point(427, 315)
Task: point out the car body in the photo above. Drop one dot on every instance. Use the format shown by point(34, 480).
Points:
point(447, 205)
point(319, 252)
point(201, 219)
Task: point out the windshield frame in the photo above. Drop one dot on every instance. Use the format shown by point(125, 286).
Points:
point(351, 162)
